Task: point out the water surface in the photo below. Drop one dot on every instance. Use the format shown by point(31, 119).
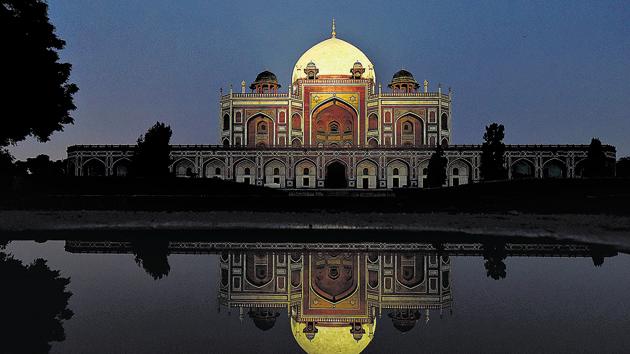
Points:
point(160, 298)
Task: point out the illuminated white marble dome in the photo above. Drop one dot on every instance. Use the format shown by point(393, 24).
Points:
point(333, 56)
point(332, 340)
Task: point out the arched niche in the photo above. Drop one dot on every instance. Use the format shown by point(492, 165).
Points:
point(305, 174)
point(214, 169)
point(409, 130)
point(275, 174)
point(458, 172)
point(121, 167)
point(523, 168)
point(94, 168)
point(184, 168)
point(373, 122)
point(554, 168)
point(397, 174)
point(366, 173)
point(260, 129)
point(335, 123)
point(296, 122)
point(245, 172)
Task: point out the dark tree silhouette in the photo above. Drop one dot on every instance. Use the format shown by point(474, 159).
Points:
point(6, 163)
point(436, 174)
point(598, 260)
point(152, 256)
point(623, 167)
point(596, 161)
point(152, 155)
point(43, 166)
point(494, 254)
point(493, 153)
point(36, 95)
point(35, 304)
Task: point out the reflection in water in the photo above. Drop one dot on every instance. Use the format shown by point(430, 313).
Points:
point(494, 254)
point(334, 298)
point(35, 304)
point(334, 294)
point(152, 256)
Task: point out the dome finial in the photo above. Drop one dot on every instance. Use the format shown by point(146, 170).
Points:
point(334, 33)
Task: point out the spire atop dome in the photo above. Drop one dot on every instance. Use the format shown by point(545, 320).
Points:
point(334, 32)
point(334, 57)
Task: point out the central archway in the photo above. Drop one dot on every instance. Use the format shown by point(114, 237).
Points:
point(334, 124)
point(336, 175)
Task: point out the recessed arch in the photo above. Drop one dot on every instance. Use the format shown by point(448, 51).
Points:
point(458, 172)
point(296, 142)
point(554, 168)
point(184, 167)
point(305, 159)
point(296, 121)
point(397, 173)
point(373, 122)
point(410, 113)
point(94, 167)
point(226, 121)
point(121, 167)
point(336, 174)
point(335, 122)
point(331, 99)
point(305, 173)
point(214, 168)
point(275, 173)
point(523, 168)
point(259, 270)
point(409, 129)
point(366, 174)
point(254, 133)
point(410, 270)
point(444, 121)
point(245, 171)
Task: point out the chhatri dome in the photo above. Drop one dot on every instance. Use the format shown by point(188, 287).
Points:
point(332, 339)
point(334, 57)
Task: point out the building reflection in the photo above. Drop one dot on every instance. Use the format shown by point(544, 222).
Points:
point(333, 299)
point(334, 294)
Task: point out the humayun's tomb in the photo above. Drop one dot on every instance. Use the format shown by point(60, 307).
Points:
point(335, 127)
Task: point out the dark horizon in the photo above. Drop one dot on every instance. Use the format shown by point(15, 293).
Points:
point(533, 67)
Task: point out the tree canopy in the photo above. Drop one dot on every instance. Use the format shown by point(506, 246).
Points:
point(596, 161)
point(436, 174)
point(35, 303)
point(153, 152)
point(36, 97)
point(623, 167)
point(42, 165)
point(6, 163)
point(494, 254)
point(152, 256)
point(493, 153)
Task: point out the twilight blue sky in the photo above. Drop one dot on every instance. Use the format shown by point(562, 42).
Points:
point(550, 71)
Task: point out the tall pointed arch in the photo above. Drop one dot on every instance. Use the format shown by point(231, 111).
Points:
point(335, 122)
